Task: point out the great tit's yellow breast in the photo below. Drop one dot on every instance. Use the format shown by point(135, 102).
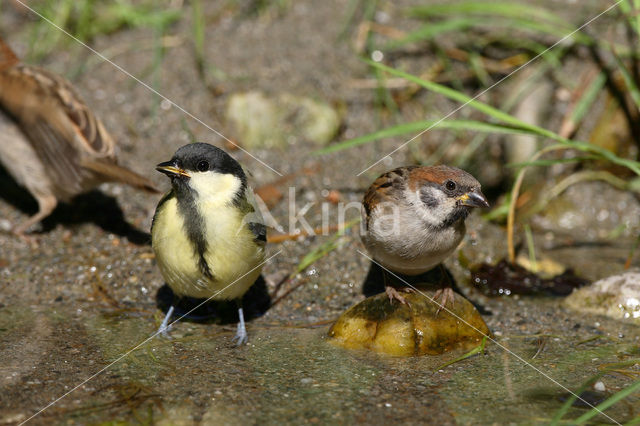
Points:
point(232, 252)
point(175, 253)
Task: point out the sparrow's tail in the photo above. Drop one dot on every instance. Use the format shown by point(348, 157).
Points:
point(8, 57)
point(115, 173)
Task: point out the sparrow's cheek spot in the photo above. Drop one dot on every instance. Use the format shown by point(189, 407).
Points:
point(429, 200)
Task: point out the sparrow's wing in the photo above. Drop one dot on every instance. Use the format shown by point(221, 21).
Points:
point(70, 140)
point(385, 188)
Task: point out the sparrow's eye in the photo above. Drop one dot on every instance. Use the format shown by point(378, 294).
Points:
point(450, 185)
point(203, 166)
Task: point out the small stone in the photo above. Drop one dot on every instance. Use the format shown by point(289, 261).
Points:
point(263, 121)
point(406, 330)
point(617, 296)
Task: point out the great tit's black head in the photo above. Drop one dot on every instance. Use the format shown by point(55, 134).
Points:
point(200, 159)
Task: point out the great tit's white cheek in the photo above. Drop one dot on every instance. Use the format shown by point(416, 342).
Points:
point(214, 188)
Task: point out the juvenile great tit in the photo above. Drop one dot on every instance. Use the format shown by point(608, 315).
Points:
point(208, 237)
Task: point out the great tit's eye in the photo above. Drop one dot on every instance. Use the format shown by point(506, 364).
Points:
point(450, 185)
point(203, 166)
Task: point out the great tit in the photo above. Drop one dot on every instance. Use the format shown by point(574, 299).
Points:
point(207, 234)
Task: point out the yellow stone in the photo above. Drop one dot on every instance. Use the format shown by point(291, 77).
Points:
point(407, 330)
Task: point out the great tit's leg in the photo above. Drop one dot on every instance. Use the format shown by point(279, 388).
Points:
point(241, 336)
point(165, 326)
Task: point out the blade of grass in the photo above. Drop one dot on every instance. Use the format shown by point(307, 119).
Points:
point(572, 398)
point(198, 33)
point(509, 119)
point(431, 30)
point(613, 399)
point(632, 87)
point(462, 98)
point(323, 249)
point(552, 162)
point(478, 349)
point(588, 98)
point(508, 9)
point(475, 62)
point(471, 125)
point(531, 248)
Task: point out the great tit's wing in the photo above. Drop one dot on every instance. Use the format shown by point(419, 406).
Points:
point(253, 217)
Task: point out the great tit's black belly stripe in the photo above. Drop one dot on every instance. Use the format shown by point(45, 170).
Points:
point(194, 224)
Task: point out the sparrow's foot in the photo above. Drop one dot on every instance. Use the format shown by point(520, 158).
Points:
point(392, 293)
point(164, 328)
point(445, 295)
point(30, 240)
point(241, 336)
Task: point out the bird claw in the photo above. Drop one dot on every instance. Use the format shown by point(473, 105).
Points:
point(164, 332)
point(392, 293)
point(446, 294)
point(164, 328)
point(241, 336)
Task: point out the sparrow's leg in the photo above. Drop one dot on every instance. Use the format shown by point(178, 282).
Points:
point(391, 291)
point(241, 336)
point(165, 327)
point(46, 204)
point(445, 293)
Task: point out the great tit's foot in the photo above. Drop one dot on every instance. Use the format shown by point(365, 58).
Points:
point(392, 293)
point(165, 327)
point(445, 295)
point(241, 336)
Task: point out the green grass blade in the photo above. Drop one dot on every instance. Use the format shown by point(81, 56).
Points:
point(572, 398)
point(472, 352)
point(461, 97)
point(552, 162)
point(588, 97)
point(632, 87)
point(431, 30)
point(506, 9)
point(325, 248)
point(613, 399)
point(418, 126)
point(509, 119)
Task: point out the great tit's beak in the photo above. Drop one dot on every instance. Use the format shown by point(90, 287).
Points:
point(473, 199)
point(170, 169)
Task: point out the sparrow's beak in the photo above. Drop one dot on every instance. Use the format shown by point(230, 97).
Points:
point(473, 199)
point(169, 168)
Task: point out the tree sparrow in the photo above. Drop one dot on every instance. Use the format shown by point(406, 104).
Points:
point(207, 235)
point(414, 217)
point(51, 143)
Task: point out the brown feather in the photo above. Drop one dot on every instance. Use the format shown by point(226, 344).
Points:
point(386, 187)
point(111, 172)
point(72, 144)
